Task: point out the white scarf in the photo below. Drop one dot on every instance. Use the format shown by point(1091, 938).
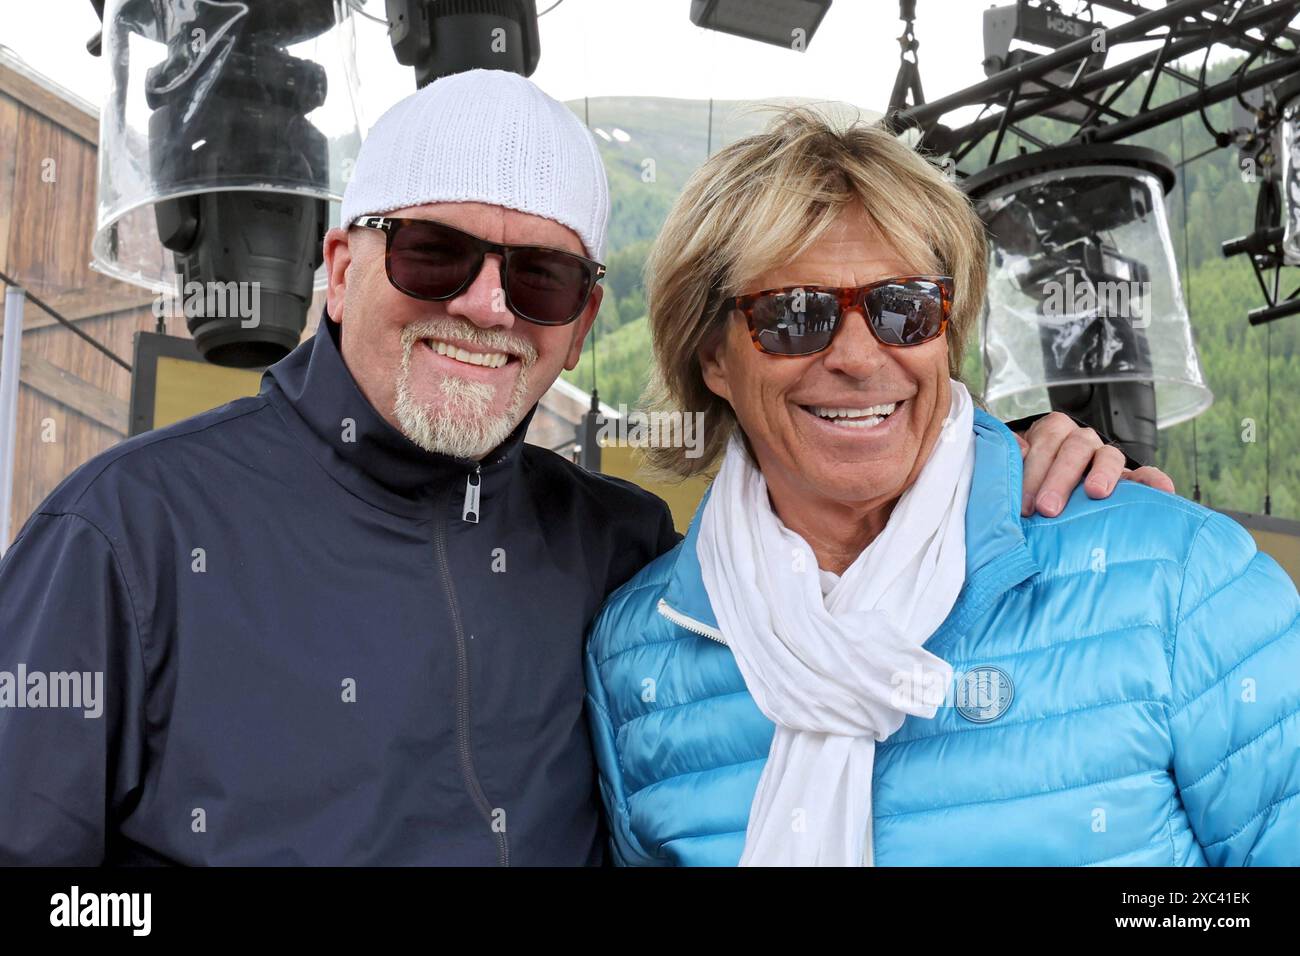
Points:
point(838, 673)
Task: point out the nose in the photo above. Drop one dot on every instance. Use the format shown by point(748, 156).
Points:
point(854, 351)
point(484, 301)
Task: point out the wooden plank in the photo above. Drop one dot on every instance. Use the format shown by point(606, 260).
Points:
point(8, 169)
point(76, 393)
point(41, 95)
point(34, 259)
point(78, 305)
point(93, 303)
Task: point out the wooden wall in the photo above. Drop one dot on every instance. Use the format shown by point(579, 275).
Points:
point(69, 391)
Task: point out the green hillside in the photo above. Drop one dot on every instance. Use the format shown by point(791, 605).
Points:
point(654, 144)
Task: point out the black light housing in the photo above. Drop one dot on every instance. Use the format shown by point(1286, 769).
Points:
point(1043, 25)
point(224, 138)
point(442, 37)
point(768, 21)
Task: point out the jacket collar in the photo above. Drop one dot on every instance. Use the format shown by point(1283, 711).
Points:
point(997, 556)
point(314, 392)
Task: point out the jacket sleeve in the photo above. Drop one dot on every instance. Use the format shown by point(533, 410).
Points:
point(1235, 716)
point(649, 534)
point(626, 849)
point(70, 728)
point(1022, 425)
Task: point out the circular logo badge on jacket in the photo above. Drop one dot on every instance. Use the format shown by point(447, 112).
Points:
point(984, 694)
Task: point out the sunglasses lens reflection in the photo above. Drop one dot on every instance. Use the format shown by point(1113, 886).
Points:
point(907, 313)
point(801, 321)
point(795, 323)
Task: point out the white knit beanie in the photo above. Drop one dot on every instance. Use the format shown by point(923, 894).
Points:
point(486, 136)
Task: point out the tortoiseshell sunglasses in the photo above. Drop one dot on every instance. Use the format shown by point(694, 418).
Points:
point(802, 320)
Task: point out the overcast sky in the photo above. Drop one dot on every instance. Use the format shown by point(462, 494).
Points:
point(615, 47)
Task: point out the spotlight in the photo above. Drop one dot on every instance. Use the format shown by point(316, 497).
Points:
point(215, 170)
point(1042, 25)
point(1085, 313)
point(1270, 153)
point(787, 23)
point(442, 37)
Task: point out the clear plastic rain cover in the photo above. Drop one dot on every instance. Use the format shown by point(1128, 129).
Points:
point(1290, 142)
point(1083, 288)
point(209, 95)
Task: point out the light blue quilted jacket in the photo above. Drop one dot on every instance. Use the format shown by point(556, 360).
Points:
point(1146, 711)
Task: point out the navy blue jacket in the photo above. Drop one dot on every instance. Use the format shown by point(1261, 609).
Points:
point(319, 644)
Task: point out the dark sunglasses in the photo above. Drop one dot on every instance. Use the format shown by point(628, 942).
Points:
point(802, 320)
point(432, 261)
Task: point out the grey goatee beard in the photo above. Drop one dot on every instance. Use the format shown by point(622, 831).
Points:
point(462, 425)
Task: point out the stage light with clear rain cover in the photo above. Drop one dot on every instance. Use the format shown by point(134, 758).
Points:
point(226, 134)
point(1085, 313)
point(787, 23)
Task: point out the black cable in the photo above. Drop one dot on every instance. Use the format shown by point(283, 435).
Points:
point(1200, 106)
point(1240, 71)
point(1268, 404)
point(550, 8)
point(1187, 297)
point(708, 149)
point(41, 305)
point(595, 323)
point(1201, 155)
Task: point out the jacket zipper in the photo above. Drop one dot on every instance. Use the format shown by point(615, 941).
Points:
point(473, 481)
point(689, 623)
point(471, 511)
point(466, 758)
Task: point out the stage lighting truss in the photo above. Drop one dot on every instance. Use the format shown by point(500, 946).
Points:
point(1067, 85)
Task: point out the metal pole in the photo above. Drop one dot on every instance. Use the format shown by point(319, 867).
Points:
point(588, 436)
point(1209, 96)
point(10, 360)
point(1134, 9)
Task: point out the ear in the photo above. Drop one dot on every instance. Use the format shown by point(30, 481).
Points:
point(582, 326)
point(713, 354)
point(338, 256)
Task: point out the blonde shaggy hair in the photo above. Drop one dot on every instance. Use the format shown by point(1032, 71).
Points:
point(762, 201)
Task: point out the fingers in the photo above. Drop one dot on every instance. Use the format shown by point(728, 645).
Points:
point(1049, 438)
point(1107, 469)
point(1045, 438)
point(1152, 477)
point(1024, 445)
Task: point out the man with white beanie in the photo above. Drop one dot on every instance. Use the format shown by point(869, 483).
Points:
point(340, 622)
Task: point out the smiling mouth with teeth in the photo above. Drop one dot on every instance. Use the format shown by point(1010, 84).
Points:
point(853, 417)
point(485, 359)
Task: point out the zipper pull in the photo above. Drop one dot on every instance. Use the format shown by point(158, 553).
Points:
point(470, 511)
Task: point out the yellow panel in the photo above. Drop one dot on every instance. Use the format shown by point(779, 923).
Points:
point(683, 497)
point(186, 388)
point(1282, 548)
